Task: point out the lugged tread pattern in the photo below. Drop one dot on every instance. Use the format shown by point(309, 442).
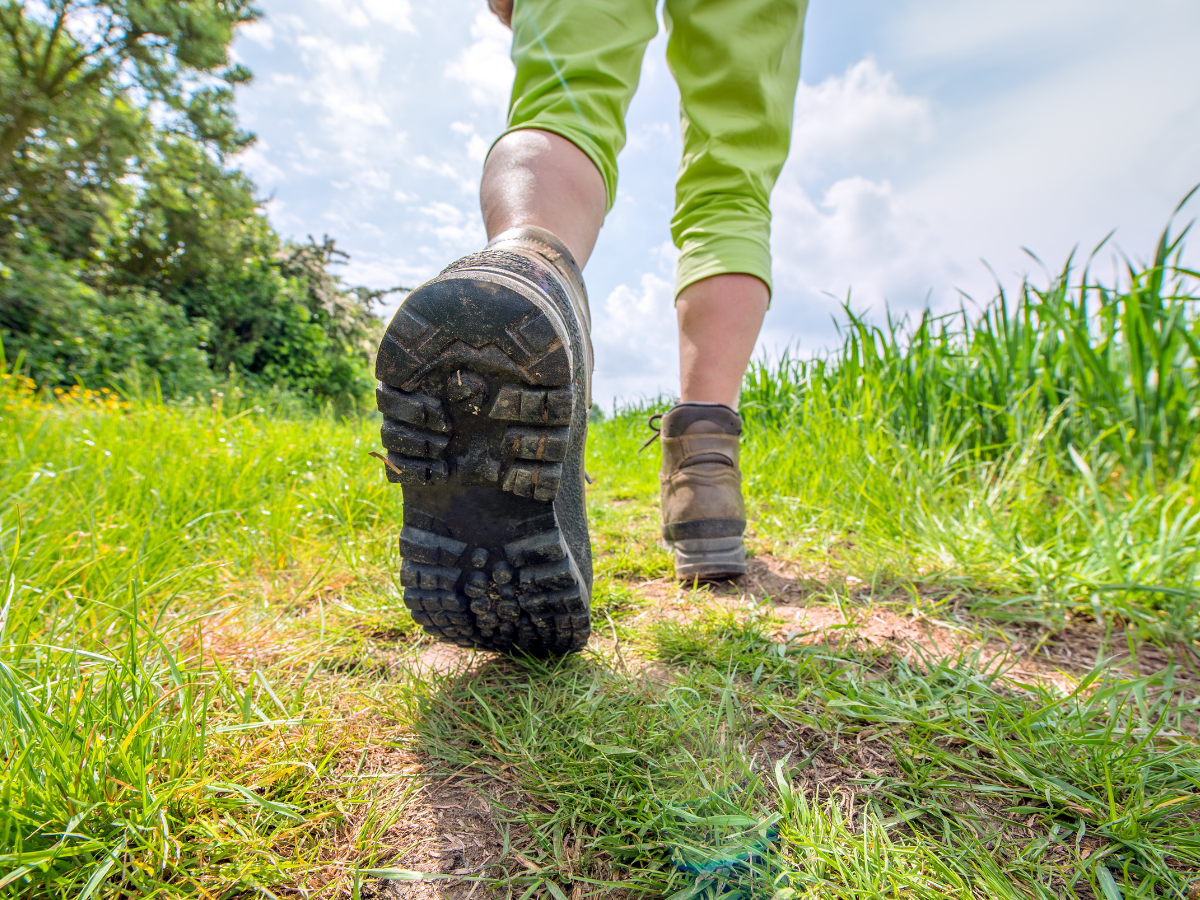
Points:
point(412, 409)
point(411, 442)
point(416, 430)
point(426, 547)
point(495, 603)
point(517, 404)
point(541, 444)
point(534, 549)
point(541, 482)
point(482, 419)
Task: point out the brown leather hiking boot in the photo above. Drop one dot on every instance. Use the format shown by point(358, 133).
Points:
point(703, 513)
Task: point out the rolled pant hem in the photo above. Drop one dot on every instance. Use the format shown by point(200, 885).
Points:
point(581, 140)
point(724, 256)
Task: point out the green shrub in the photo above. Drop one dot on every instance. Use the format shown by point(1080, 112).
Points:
point(69, 331)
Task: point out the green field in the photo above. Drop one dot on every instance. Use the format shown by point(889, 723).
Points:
point(964, 663)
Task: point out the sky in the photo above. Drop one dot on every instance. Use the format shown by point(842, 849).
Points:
point(937, 145)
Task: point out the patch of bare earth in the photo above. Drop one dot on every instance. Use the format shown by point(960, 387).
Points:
point(1021, 653)
point(401, 812)
point(399, 809)
point(450, 826)
point(433, 822)
point(447, 828)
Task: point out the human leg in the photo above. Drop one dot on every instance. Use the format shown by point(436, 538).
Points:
point(737, 66)
point(577, 68)
point(539, 178)
point(719, 320)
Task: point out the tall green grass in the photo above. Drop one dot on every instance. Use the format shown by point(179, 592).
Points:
point(1114, 368)
point(1046, 447)
point(133, 762)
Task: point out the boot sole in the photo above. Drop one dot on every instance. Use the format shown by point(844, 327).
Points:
point(709, 559)
point(484, 424)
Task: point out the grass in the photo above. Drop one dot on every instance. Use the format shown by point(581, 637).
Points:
point(990, 787)
point(209, 686)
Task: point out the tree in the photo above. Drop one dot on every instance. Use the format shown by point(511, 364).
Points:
point(78, 80)
point(128, 238)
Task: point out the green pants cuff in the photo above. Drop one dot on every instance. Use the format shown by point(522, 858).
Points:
point(723, 256)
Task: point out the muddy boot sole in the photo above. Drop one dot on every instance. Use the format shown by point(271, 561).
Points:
point(484, 427)
point(709, 559)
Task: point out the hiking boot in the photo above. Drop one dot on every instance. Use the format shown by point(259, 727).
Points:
point(703, 513)
point(484, 385)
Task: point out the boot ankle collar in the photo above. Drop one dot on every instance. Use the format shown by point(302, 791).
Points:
point(546, 242)
point(553, 250)
point(682, 415)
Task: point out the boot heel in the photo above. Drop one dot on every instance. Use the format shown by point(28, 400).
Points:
point(709, 558)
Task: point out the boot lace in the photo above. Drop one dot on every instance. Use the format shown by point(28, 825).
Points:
point(657, 431)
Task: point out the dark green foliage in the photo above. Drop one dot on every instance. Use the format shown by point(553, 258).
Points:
point(277, 318)
point(130, 244)
point(70, 332)
point(73, 124)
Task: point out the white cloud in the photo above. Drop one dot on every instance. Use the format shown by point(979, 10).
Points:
point(838, 234)
point(862, 227)
point(385, 271)
point(653, 136)
point(396, 13)
point(949, 31)
point(446, 170)
point(477, 148)
point(461, 231)
point(484, 66)
point(635, 337)
point(862, 241)
point(282, 217)
point(255, 160)
point(862, 237)
point(374, 178)
point(260, 32)
point(356, 60)
point(444, 213)
point(362, 15)
point(861, 116)
point(358, 137)
point(343, 82)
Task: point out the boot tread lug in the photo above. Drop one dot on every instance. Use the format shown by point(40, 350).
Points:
point(412, 442)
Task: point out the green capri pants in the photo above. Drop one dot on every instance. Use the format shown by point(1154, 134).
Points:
point(737, 64)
